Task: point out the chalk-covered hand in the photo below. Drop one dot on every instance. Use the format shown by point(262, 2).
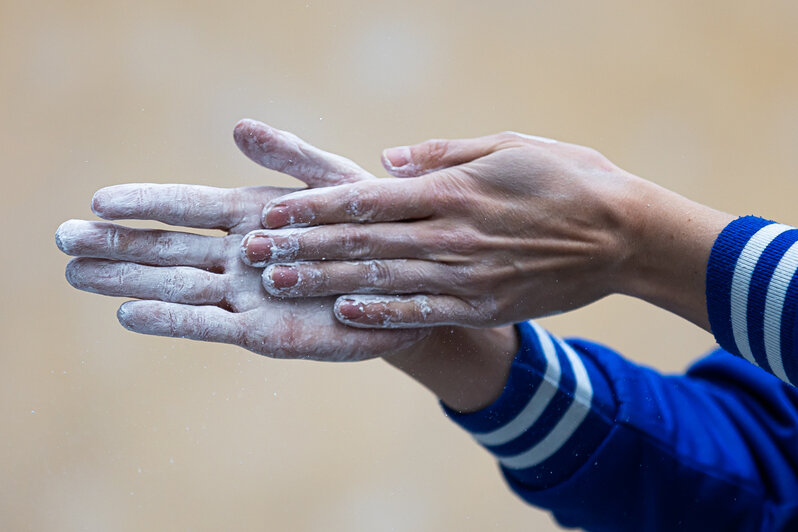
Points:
point(476, 232)
point(195, 286)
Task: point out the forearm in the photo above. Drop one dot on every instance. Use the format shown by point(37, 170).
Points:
point(669, 239)
point(735, 277)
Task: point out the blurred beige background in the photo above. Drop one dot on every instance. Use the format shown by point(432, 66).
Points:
point(106, 430)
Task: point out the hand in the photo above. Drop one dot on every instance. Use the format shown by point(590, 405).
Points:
point(195, 286)
point(481, 232)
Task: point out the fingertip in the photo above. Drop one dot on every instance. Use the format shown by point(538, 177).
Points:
point(244, 123)
point(74, 273)
point(244, 128)
point(121, 201)
point(398, 156)
point(98, 201)
point(398, 161)
point(268, 282)
point(255, 249)
point(65, 236)
point(280, 280)
point(70, 273)
point(255, 140)
point(274, 217)
point(346, 310)
point(284, 276)
point(124, 315)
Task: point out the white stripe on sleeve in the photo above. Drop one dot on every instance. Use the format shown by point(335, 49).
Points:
point(774, 306)
point(539, 401)
point(741, 283)
point(568, 424)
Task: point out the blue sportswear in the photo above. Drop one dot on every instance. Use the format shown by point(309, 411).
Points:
point(606, 444)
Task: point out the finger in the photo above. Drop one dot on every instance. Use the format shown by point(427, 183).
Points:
point(437, 154)
point(314, 335)
point(161, 248)
point(336, 242)
point(379, 200)
point(305, 279)
point(400, 312)
point(289, 154)
point(211, 324)
point(186, 205)
point(127, 279)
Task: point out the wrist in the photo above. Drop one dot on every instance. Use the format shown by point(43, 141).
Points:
point(465, 368)
point(668, 239)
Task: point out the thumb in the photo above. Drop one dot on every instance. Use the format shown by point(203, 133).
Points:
point(437, 154)
point(285, 152)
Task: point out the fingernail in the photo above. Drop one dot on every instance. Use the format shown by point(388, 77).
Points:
point(276, 217)
point(258, 249)
point(397, 157)
point(350, 310)
point(284, 276)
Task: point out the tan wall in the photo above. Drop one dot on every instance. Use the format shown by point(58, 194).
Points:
point(106, 430)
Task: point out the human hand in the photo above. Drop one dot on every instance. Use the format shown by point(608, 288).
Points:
point(195, 286)
point(480, 232)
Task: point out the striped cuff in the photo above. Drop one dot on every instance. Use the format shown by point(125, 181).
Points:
point(548, 420)
point(752, 294)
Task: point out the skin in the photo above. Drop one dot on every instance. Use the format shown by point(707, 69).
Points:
point(194, 286)
point(487, 231)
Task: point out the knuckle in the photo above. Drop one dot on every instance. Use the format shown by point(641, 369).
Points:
point(480, 310)
point(592, 153)
point(431, 150)
point(421, 310)
point(162, 246)
point(116, 275)
point(217, 286)
point(594, 158)
point(464, 242)
point(235, 201)
point(508, 137)
point(361, 203)
point(173, 322)
point(354, 241)
point(177, 286)
point(421, 278)
point(380, 274)
point(115, 240)
point(473, 279)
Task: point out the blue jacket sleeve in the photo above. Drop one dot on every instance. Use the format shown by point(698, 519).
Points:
point(752, 294)
point(606, 444)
